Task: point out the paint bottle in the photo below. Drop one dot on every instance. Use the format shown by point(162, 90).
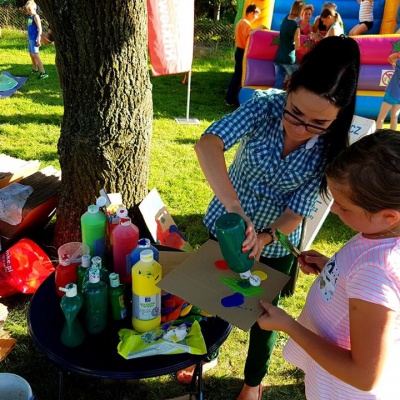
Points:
point(83, 269)
point(116, 298)
point(93, 226)
point(65, 273)
point(95, 302)
point(143, 244)
point(72, 334)
point(146, 296)
point(125, 239)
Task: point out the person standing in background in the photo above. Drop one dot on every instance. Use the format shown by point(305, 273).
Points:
point(34, 42)
point(391, 100)
point(242, 31)
point(365, 16)
point(289, 42)
point(304, 23)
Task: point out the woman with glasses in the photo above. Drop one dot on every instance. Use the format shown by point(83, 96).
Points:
point(285, 140)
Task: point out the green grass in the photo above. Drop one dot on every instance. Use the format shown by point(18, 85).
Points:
point(29, 129)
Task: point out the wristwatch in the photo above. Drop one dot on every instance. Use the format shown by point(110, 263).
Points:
point(269, 231)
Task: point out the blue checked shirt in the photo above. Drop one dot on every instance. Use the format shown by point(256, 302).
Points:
point(265, 183)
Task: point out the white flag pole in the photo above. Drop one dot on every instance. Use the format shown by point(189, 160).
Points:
point(188, 120)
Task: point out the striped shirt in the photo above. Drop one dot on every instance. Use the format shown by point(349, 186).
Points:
point(366, 12)
point(363, 269)
point(265, 183)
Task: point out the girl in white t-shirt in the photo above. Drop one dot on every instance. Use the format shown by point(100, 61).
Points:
point(347, 338)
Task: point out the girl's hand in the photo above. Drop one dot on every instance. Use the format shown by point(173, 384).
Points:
point(312, 262)
point(273, 318)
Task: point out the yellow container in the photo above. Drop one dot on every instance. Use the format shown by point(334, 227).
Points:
point(146, 296)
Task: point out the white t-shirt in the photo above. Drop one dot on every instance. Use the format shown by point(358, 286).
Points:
point(366, 12)
point(363, 269)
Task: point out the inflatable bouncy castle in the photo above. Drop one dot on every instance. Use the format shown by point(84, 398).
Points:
point(375, 47)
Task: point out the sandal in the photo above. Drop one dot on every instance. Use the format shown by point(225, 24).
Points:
point(260, 392)
point(185, 376)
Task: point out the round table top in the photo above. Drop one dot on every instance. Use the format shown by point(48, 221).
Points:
point(97, 355)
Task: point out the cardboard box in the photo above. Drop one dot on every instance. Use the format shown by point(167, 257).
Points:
point(197, 280)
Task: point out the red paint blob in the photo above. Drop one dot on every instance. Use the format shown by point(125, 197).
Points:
point(221, 264)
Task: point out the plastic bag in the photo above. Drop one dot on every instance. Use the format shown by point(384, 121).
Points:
point(23, 267)
point(166, 339)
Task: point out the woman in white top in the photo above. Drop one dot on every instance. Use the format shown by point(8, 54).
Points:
point(333, 22)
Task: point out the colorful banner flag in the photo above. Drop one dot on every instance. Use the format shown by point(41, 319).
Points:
point(171, 28)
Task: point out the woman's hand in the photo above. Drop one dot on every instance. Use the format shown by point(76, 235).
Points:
point(312, 262)
point(251, 242)
point(274, 318)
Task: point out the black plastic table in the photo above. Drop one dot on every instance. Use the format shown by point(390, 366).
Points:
point(97, 356)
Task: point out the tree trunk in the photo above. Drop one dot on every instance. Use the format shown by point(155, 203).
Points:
point(101, 57)
point(217, 10)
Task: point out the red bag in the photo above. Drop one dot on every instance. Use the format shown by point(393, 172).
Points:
point(304, 48)
point(23, 267)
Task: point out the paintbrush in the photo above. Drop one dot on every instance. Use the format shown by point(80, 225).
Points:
point(287, 244)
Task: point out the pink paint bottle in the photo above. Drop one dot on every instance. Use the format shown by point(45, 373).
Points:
point(125, 238)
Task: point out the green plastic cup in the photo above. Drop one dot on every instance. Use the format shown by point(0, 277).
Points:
point(230, 230)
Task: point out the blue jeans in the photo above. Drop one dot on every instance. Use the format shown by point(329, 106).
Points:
point(281, 72)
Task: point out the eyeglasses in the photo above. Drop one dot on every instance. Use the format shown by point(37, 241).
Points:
point(294, 120)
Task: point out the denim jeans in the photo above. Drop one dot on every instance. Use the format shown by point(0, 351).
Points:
point(281, 72)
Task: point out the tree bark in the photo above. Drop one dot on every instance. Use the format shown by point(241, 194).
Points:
point(101, 57)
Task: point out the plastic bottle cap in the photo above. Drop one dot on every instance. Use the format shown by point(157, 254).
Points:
point(94, 275)
point(93, 209)
point(96, 261)
point(70, 290)
point(114, 279)
point(85, 261)
point(122, 212)
point(144, 242)
point(101, 201)
point(147, 256)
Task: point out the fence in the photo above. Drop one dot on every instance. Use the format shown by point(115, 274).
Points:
point(209, 36)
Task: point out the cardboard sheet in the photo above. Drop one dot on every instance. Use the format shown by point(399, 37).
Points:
point(197, 281)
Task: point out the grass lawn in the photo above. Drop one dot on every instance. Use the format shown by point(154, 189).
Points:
point(29, 129)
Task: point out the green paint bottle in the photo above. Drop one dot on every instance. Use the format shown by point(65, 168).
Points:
point(116, 298)
point(72, 334)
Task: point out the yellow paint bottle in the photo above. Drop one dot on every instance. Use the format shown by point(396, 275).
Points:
point(146, 296)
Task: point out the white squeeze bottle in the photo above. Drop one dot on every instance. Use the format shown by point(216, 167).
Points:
point(146, 296)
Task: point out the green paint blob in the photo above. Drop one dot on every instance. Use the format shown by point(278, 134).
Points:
point(236, 285)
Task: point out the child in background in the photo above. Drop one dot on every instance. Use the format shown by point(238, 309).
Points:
point(34, 34)
point(304, 23)
point(242, 31)
point(391, 100)
point(347, 338)
point(365, 16)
